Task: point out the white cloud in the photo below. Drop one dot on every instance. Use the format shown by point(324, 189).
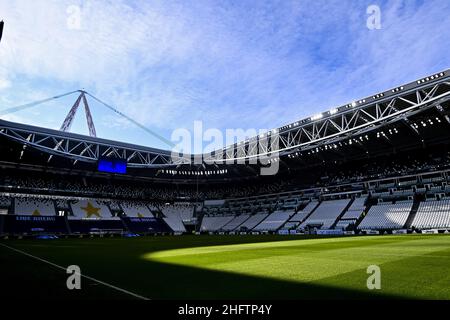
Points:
point(4, 83)
point(240, 65)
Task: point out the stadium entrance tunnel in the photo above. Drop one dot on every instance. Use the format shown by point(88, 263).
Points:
point(330, 264)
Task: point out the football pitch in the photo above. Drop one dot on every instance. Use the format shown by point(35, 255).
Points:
point(229, 267)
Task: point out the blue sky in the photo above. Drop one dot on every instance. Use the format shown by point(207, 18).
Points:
point(231, 64)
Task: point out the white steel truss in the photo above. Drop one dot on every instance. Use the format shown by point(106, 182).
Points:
point(348, 121)
point(343, 123)
point(89, 150)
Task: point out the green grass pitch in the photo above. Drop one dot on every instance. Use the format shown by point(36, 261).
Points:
point(231, 267)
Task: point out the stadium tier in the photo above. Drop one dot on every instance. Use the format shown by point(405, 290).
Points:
point(253, 221)
point(387, 216)
point(181, 212)
point(301, 215)
point(379, 163)
point(356, 209)
point(432, 214)
point(176, 215)
point(326, 213)
point(93, 216)
point(236, 222)
point(384, 204)
point(213, 223)
point(34, 207)
point(274, 221)
point(136, 209)
point(90, 209)
point(353, 213)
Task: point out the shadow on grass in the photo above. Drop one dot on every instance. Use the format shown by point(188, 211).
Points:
point(117, 261)
point(182, 282)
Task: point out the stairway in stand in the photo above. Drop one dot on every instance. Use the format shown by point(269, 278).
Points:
point(342, 213)
point(412, 215)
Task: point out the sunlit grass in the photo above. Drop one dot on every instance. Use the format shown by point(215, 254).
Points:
point(411, 266)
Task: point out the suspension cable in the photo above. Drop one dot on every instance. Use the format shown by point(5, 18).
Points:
point(36, 103)
point(168, 142)
point(33, 104)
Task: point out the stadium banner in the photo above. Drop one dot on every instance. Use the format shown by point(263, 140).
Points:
point(430, 231)
point(142, 219)
point(371, 231)
point(330, 232)
point(32, 218)
point(283, 232)
point(400, 231)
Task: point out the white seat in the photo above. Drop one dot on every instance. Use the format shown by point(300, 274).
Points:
point(34, 207)
point(90, 209)
point(214, 223)
point(274, 221)
point(327, 213)
point(432, 214)
point(387, 216)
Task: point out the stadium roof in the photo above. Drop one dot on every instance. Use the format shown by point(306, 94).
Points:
point(18, 129)
point(349, 126)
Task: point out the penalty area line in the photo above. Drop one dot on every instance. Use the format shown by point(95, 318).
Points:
point(84, 276)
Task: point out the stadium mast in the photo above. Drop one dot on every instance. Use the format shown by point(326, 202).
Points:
point(71, 115)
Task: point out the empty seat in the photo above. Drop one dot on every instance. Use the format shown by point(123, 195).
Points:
point(432, 214)
point(356, 209)
point(90, 209)
point(214, 223)
point(326, 214)
point(34, 207)
point(274, 221)
point(253, 221)
point(136, 209)
point(175, 215)
point(386, 216)
point(302, 214)
point(236, 222)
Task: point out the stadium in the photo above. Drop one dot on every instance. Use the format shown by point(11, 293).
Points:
point(360, 187)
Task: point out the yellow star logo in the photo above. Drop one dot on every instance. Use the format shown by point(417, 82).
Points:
point(91, 210)
point(36, 213)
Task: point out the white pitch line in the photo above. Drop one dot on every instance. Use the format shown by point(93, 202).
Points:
point(87, 277)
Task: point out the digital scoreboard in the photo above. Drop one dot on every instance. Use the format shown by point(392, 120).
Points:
point(112, 165)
